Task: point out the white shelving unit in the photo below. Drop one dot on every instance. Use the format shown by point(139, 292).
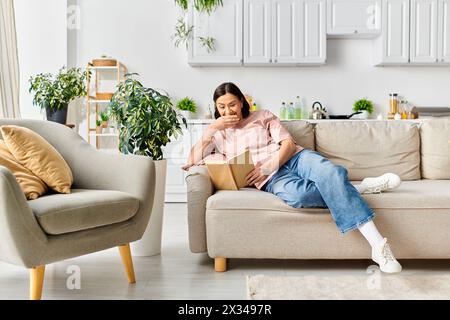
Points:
point(96, 103)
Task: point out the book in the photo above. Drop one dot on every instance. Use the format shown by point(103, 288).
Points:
point(230, 174)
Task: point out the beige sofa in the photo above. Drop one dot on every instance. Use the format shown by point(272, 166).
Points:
point(415, 217)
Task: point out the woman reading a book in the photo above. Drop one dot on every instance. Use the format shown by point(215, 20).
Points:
point(301, 177)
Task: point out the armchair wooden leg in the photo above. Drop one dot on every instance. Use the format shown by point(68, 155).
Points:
point(36, 282)
point(127, 261)
point(220, 264)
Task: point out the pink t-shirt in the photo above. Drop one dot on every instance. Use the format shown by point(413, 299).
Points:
point(261, 132)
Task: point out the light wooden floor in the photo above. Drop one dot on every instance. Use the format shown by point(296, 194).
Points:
point(177, 273)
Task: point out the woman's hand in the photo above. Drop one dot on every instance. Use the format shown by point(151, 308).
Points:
point(225, 122)
point(187, 166)
point(256, 175)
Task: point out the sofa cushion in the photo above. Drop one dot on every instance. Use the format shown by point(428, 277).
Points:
point(435, 149)
point(38, 156)
point(371, 148)
point(302, 132)
point(419, 194)
point(82, 209)
point(32, 186)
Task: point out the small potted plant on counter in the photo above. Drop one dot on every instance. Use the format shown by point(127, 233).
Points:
point(54, 92)
point(187, 107)
point(365, 106)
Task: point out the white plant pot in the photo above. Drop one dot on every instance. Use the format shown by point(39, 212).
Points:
point(150, 244)
point(186, 114)
point(363, 116)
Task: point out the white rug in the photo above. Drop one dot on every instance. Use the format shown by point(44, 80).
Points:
point(365, 287)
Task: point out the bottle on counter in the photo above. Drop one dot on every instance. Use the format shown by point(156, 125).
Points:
point(393, 105)
point(403, 109)
point(298, 110)
point(306, 111)
point(283, 111)
point(291, 112)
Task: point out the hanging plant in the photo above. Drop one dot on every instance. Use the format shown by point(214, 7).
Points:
point(183, 4)
point(183, 31)
point(208, 43)
point(207, 6)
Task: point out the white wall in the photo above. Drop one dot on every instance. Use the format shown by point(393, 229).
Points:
point(138, 32)
point(42, 44)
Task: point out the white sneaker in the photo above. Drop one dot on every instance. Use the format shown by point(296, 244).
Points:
point(385, 182)
point(383, 255)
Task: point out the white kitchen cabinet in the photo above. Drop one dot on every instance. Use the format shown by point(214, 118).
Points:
point(176, 153)
point(225, 26)
point(284, 32)
point(353, 18)
point(444, 31)
point(392, 47)
point(424, 30)
point(175, 181)
point(313, 28)
point(257, 32)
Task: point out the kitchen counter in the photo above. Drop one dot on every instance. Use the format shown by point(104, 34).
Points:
point(206, 121)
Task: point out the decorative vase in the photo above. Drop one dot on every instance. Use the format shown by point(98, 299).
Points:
point(58, 115)
point(150, 243)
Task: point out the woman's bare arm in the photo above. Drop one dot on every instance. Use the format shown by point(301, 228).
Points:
point(287, 150)
point(260, 173)
point(201, 148)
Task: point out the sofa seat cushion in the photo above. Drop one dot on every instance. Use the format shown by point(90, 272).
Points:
point(82, 209)
point(419, 194)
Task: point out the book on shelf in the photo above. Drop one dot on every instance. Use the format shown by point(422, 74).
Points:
point(230, 174)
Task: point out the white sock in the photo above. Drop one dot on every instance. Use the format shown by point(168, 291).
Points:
point(371, 233)
point(360, 188)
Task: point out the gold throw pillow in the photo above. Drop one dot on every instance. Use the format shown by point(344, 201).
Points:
point(32, 186)
point(38, 156)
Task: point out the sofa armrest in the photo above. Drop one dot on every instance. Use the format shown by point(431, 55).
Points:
point(135, 175)
point(199, 189)
point(22, 241)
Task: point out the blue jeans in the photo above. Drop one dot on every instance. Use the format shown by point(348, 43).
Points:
point(310, 180)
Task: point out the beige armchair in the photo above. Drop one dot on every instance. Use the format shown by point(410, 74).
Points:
point(110, 205)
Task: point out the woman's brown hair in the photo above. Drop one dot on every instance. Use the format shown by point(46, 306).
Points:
point(229, 87)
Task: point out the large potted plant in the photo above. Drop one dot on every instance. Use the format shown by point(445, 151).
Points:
point(54, 92)
point(147, 121)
